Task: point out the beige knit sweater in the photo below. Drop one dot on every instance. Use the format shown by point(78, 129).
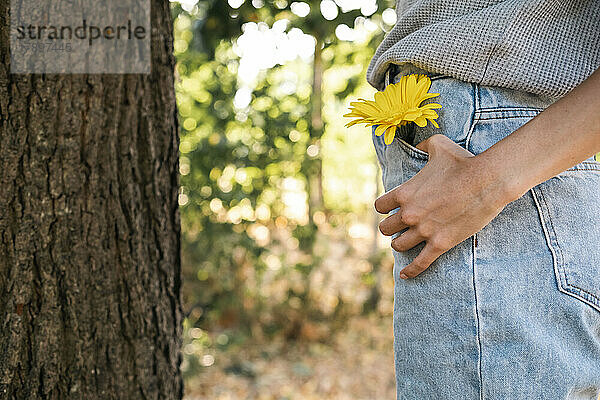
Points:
point(541, 46)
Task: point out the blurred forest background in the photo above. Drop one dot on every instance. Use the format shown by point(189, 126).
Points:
point(288, 287)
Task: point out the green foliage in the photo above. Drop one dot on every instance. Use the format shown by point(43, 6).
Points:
point(255, 261)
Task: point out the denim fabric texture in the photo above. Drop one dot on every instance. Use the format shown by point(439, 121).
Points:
point(513, 312)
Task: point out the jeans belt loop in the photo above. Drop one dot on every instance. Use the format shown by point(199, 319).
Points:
point(387, 77)
point(390, 73)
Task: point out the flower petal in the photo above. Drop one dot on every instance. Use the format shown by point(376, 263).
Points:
point(432, 105)
point(421, 121)
point(398, 104)
point(428, 96)
point(388, 138)
point(430, 114)
point(392, 96)
point(369, 108)
point(423, 85)
point(382, 101)
point(411, 115)
point(402, 84)
point(352, 123)
point(380, 129)
point(411, 87)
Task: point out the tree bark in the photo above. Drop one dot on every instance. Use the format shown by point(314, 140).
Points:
point(89, 230)
point(315, 170)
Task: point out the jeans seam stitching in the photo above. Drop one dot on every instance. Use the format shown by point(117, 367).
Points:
point(581, 169)
point(585, 166)
point(504, 117)
point(379, 156)
point(563, 264)
point(475, 88)
point(557, 254)
point(500, 109)
point(554, 239)
point(478, 324)
point(546, 230)
point(594, 301)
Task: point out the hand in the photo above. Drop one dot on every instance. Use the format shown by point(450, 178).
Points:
point(452, 197)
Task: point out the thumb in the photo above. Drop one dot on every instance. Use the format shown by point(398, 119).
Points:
point(425, 145)
point(438, 139)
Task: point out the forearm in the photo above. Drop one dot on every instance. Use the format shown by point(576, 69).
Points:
point(561, 136)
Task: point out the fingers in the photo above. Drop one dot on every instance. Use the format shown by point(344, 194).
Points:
point(386, 203)
point(421, 262)
point(392, 224)
point(407, 240)
point(390, 200)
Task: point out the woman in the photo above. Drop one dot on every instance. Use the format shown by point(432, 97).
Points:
point(495, 216)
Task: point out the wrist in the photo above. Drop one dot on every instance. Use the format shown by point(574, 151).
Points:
point(498, 182)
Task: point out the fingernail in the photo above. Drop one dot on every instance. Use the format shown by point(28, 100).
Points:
point(403, 276)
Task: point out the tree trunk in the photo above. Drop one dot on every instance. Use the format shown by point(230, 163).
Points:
point(89, 230)
point(315, 170)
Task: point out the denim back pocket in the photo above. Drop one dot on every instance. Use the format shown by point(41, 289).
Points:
point(569, 208)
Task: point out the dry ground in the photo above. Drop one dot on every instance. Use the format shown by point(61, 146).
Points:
point(357, 364)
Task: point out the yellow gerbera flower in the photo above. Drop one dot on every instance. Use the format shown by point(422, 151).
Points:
point(398, 104)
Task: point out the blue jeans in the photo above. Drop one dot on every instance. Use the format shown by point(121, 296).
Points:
point(513, 312)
